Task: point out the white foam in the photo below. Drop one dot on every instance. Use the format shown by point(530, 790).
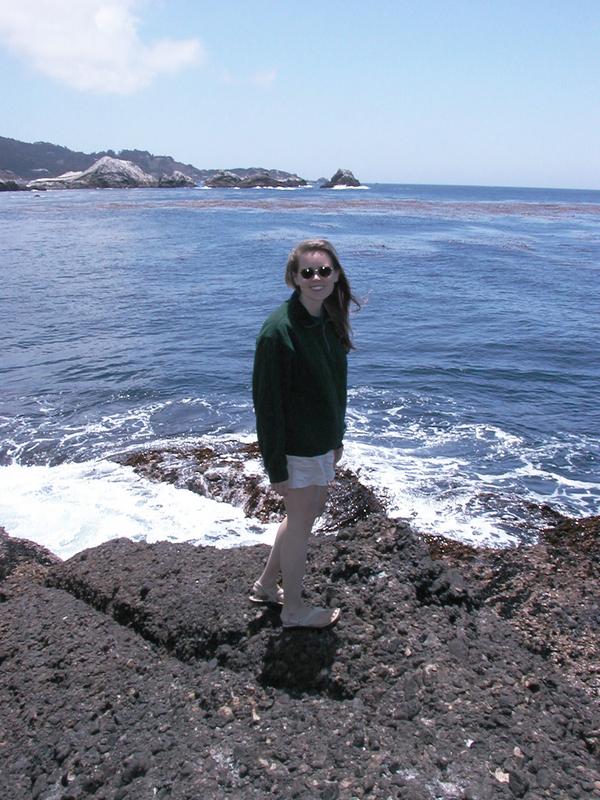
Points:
point(435, 494)
point(282, 188)
point(73, 506)
point(427, 473)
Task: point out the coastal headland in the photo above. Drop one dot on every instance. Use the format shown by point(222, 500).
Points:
point(137, 670)
point(42, 166)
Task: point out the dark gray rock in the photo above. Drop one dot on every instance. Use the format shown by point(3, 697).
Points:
point(17, 554)
point(176, 180)
point(265, 180)
point(142, 671)
point(343, 177)
point(547, 590)
point(223, 179)
point(254, 180)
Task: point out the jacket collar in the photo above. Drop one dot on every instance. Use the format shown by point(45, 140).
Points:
point(300, 314)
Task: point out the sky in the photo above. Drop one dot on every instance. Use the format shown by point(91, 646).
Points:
point(472, 92)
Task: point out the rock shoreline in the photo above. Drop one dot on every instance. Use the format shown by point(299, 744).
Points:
point(116, 173)
point(42, 166)
point(135, 671)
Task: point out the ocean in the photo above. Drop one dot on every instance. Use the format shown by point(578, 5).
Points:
point(128, 320)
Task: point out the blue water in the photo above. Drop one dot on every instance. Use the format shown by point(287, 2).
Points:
point(128, 318)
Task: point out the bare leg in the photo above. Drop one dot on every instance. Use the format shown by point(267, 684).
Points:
point(302, 508)
point(288, 554)
point(272, 571)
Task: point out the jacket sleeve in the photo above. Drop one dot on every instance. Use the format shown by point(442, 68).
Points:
point(268, 391)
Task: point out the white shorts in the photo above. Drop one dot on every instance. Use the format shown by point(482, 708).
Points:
point(310, 470)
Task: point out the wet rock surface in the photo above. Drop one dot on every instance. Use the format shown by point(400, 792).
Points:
point(232, 473)
point(136, 671)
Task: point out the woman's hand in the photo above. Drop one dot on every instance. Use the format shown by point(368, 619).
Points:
point(338, 453)
point(280, 488)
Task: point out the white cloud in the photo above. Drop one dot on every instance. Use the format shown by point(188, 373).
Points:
point(91, 44)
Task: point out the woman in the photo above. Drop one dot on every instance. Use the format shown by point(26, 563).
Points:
point(299, 392)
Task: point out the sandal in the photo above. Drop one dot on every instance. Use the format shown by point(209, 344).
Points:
point(260, 595)
point(318, 618)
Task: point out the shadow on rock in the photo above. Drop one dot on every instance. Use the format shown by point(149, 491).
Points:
point(299, 660)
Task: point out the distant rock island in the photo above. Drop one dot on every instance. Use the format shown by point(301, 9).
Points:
point(110, 173)
point(343, 177)
point(261, 178)
point(42, 165)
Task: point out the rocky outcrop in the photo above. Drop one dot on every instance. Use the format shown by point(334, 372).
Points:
point(254, 180)
point(22, 556)
point(219, 473)
point(159, 166)
point(343, 177)
point(176, 181)
point(43, 159)
point(264, 180)
point(548, 591)
point(106, 173)
point(135, 670)
point(223, 179)
point(111, 173)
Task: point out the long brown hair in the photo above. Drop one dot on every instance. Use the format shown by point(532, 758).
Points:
point(338, 302)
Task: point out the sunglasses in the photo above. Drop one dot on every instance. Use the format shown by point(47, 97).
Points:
point(308, 272)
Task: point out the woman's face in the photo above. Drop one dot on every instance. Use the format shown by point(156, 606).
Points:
point(315, 287)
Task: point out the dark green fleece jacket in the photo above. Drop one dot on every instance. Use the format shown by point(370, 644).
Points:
point(298, 386)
